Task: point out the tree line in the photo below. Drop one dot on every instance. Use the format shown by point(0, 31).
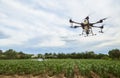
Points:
point(12, 54)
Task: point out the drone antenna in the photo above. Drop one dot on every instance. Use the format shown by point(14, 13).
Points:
point(90, 14)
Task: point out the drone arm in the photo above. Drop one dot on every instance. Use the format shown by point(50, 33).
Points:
point(101, 27)
point(76, 22)
point(71, 21)
point(100, 21)
point(75, 26)
point(96, 26)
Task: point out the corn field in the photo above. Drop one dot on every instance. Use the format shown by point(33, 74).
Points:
point(68, 68)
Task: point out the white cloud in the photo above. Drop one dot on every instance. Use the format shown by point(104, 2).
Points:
point(45, 23)
point(2, 15)
point(53, 42)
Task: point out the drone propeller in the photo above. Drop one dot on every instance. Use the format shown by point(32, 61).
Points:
point(104, 18)
point(70, 21)
point(100, 21)
point(101, 28)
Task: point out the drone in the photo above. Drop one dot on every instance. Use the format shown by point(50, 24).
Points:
point(87, 26)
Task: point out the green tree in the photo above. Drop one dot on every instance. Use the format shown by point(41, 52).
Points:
point(114, 53)
point(40, 56)
point(1, 54)
point(21, 55)
point(100, 56)
point(10, 54)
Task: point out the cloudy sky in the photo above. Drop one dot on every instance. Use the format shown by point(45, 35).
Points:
point(40, 26)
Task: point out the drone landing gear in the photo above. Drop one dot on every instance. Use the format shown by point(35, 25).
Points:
point(93, 34)
point(87, 35)
point(83, 34)
point(101, 31)
point(80, 34)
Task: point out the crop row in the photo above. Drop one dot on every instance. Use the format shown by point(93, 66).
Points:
point(56, 66)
